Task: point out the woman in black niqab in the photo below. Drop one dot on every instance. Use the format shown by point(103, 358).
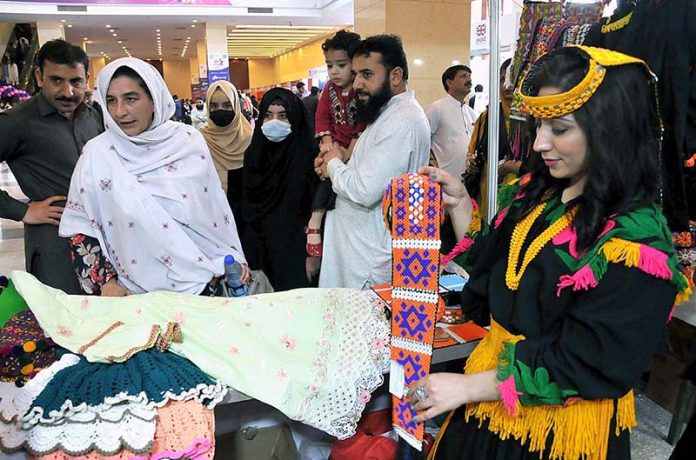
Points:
point(278, 185)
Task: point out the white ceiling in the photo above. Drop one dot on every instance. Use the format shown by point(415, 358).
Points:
point(287, 25)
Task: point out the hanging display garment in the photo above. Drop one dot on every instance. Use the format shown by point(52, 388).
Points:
point(664, 36)
point(413, 209)
point(543, 27)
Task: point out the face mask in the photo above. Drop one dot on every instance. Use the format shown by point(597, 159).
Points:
point(276, 130)
point(222, 117)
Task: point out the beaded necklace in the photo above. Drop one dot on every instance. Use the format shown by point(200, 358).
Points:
point(519, 235)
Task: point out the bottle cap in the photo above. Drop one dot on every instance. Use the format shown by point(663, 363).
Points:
point(229, 259)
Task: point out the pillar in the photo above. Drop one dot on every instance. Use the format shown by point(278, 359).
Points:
point(218, 59)
point(435, 34)
point(96, 64)
point(49, 30)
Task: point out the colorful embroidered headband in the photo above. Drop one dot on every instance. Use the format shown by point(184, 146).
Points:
point(557, 105)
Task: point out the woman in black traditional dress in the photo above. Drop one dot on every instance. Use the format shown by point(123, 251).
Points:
point(279, 183)
point(576, 275)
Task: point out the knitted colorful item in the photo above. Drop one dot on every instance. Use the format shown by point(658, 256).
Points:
point(24, 348)
point(150, 378)
point(414, 204)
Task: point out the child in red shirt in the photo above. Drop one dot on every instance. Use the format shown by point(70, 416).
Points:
point(334, 122)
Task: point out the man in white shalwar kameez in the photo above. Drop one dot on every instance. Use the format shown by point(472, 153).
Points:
point(357, 244)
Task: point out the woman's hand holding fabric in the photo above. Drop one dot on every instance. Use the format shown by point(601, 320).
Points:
point(112, 289)
point(446, 391)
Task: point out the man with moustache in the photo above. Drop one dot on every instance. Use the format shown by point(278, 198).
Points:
point(41, 142)
point(451, 120)
point(357, 244)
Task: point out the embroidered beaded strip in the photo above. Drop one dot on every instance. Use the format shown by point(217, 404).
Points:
point(413, 207)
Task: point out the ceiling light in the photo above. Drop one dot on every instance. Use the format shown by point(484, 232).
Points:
point(69, 25)
point(193, 25)
point(85, 38)
point(63, 20)
point(115, 35)
point(157, 30)
point(90, 42)
point(120, 41)
point(108, 26)
point(455, 62)
point(418, 61)
point(195, 20)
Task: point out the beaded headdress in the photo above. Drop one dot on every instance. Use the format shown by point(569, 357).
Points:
point(557, 105)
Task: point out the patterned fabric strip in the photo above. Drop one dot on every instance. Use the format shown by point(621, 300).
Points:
point(412, 204)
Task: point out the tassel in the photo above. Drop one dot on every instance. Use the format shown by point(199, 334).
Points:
point(509, 395)
point(616, 250)
point(581, 279)
point(460, 248)
point(580, 430)
point(654, 262)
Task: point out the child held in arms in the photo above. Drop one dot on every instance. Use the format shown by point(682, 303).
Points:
point(335, 122)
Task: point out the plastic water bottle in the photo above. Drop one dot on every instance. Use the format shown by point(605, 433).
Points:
point(233, 277)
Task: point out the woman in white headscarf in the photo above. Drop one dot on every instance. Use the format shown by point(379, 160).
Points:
point(228, 134)
point(146, 210)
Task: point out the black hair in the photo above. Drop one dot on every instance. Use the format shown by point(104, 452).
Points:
point(504, 66)
point(299, 84)
point(63, 53)
point(478, 88)
point(451, 72)
point(623, 130)
point(390, 49)
point(343, 40)
point(125, 71)
point(314, 90)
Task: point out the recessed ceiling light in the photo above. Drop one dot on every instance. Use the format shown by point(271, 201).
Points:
point(85, 38)
point(115, 35)
point(63, 20)
point(193, 25)
point(69, 25)
point(157, 30)
point(120, 41)
point(90, 42)
point(195, 20)
point(108, 26)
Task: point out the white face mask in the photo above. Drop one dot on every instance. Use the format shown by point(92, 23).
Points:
point(276, 130)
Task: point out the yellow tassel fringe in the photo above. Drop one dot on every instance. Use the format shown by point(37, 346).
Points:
point(617, 251)
point(580, 429)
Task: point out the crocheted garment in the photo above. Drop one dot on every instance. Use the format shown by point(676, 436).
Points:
point(413, 207)
point(149, 379)
point(314, 354)
point(184, 430)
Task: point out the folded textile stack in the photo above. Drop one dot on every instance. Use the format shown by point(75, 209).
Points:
point(156, 404)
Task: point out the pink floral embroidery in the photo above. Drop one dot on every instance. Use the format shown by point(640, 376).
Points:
point(313, 389)
point(365, 397)
point(65, 331)
point(380, 343)
point(84, 304)
point(288, 342)
point(138, 311)
point(180, 318)
point(282, 375)
point(509, 395)
point(233, 350)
